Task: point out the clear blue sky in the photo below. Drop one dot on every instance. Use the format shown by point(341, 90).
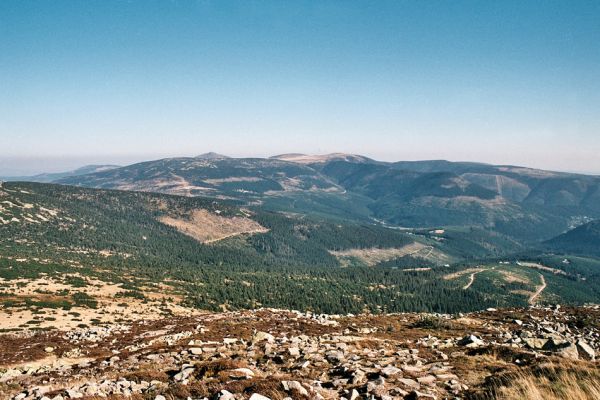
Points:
point(119, 81)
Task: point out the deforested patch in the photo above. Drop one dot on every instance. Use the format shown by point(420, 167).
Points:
point(373, 256)
point(208, 227)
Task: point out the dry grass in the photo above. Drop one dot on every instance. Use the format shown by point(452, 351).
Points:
point(551, 381)
point(147, 372)
point(53, 305)
point(209, 369)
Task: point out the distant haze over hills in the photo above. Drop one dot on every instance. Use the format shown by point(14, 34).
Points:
point(212, 156)
point(50, 177)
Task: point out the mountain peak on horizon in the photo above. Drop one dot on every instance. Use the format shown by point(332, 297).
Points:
point(320, 158)
point(211, 155)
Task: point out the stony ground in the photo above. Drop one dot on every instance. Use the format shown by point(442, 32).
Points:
point(281, 354)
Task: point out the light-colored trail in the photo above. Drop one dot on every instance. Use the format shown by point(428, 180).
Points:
point(234, 234)
point(471, 279)
point(430, 251)
point(430, 248)
point(539, 290)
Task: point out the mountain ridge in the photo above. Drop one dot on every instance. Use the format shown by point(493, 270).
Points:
point(525, 203)
point(48, 177)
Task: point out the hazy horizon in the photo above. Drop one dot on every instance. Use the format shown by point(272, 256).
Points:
point(9, 166)
point(118, 82)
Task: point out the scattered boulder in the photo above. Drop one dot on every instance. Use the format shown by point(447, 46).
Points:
point(195, 351)
point(241, 373)
point(263, 336)
point(585, 351)
point(471, 341)
point(257, 396)
point(390, 371)
point(294, 386)
point(320, 363)
point(535, 343)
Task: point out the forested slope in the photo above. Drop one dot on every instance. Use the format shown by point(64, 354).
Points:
point(292, 261)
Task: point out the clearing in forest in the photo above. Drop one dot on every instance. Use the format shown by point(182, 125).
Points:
point(207, 227)
point(373, 256)
point(458, 274)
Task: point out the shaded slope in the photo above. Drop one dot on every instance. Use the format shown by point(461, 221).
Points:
point(584, 239)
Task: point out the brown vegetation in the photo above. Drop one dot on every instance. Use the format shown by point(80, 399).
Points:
point(549, 381)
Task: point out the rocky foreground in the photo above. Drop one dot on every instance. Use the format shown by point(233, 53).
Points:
point(278, 354)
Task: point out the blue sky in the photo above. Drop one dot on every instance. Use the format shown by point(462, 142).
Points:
point(511, 82)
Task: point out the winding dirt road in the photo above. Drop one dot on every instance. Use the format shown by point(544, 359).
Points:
point(471, 279)
point(235, 234)
point(539, 290)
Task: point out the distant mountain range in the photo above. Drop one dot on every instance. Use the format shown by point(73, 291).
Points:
point(334, 234)
point(521, 203)
point(51, 177)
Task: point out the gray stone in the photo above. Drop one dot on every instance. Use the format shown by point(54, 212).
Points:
point(262, 336)
point(585, 351)
point(470, 341)
point(359, 377)
point(240, 373)
point(569, 351)
point(426, 380)
point(411, 383)
point(195, 351)
point(184, 374)
point(294, 351)
point(535, 343)
point(257, 396)
point(390, 370)
point(295, 385)
point(415, 395)
point(226, 395)
point(74, 394)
